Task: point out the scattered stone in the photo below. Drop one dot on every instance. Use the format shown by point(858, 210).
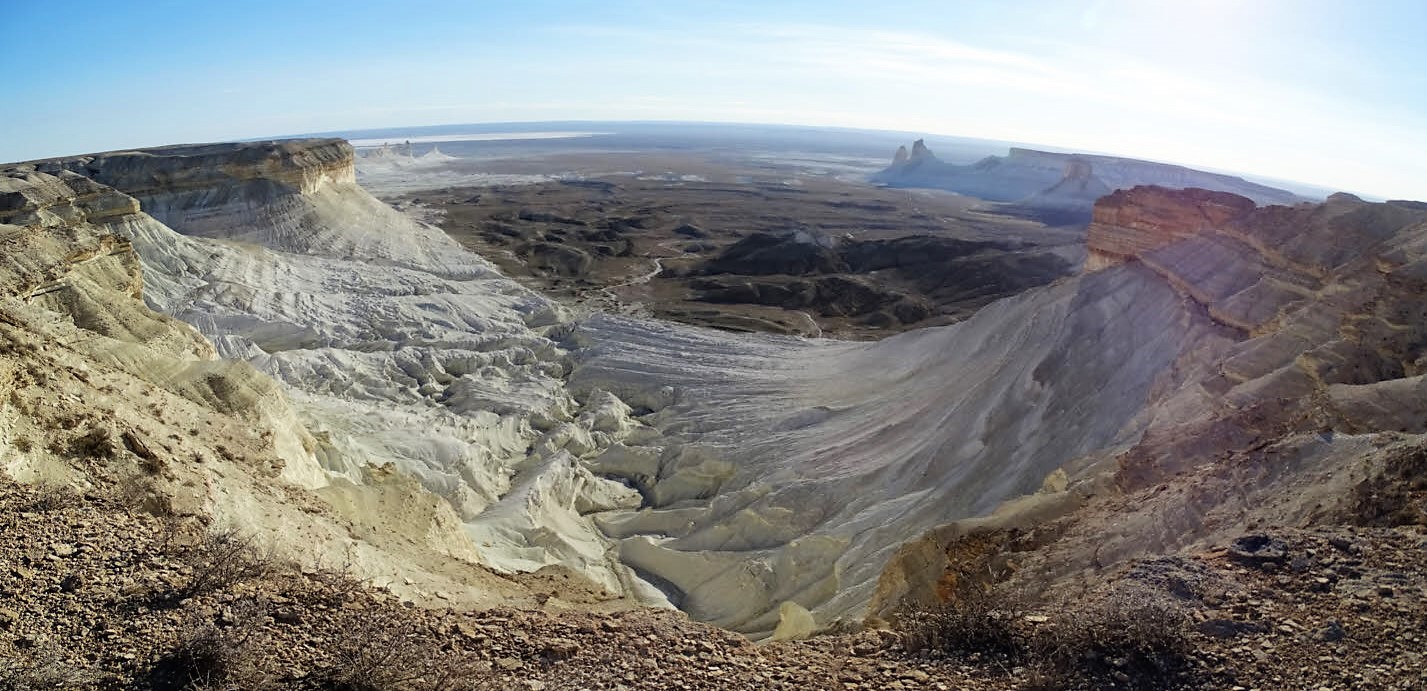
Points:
point(71, 583)
point(917, 675)
point(1332, 632)
point(1343, 544)
point(1228, 628)
point(1258, 550)
point(561, 648)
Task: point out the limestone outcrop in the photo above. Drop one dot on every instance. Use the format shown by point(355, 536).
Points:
point(1128, 223)
point(1077, 187)
point(1303, 388)
point(920, 152)
point(1057, 181)
point(901, 156)
point(255, 171)
point(385, 397)
point(303, 434)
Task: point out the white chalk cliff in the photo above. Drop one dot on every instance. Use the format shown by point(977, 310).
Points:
point(724, 474)
point(1044, 179)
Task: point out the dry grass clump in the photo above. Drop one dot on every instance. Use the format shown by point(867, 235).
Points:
point(974, 625)
point(49, 497)
point(222, 656)
point(386, 651)
point(1133, 639)
point(222, 560)
point(43, 670)
point(97, 442)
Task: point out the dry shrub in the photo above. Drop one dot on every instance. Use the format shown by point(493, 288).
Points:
point(143, 493)
point(43, 670)
point(222, 560)
point(976, 624)
point(1131, 640)
point(48, 497)
point(210, 657)
point(335, 585)
point(391, 650)
point(96, 443)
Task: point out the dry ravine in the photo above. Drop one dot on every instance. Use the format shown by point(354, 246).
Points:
point(261, 430)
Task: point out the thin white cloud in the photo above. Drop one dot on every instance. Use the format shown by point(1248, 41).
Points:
point(1067, 95)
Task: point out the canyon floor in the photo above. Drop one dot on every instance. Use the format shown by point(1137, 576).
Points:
point(729, 245)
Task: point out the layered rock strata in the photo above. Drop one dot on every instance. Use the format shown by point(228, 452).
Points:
point(438, 421)
point(1056, 181)
point(1128, 223)
point(1301, 392)
point(341, 422)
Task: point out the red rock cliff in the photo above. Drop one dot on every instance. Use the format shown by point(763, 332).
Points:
point(1128, 223)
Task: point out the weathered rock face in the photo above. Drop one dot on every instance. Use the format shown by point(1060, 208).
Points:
point(441, 417)
point(1078, 189)
point(31, 198)
point(1056, 181)
point(1078, 170)
point(244, 169)
point(319, 299)
point(211, 189)
point(1130, 222)
point(280, 194)
point(69, 274)
point(1308, 381)
point(904, 163)
point(63, 249)
point(920, 151)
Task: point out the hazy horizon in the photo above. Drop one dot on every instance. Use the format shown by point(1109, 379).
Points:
point(935, 141)
point(1321, 92)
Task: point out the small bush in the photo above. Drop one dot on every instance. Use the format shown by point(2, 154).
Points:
point(224, 559)
point(96, 443)
point(47, 497)
point(335, 584)
point(208, 657)
point(1132, 640)
point(971, 625)
point(45, 670)
point(391, 651)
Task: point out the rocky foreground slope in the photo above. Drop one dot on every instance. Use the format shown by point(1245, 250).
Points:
point(101, 594)
point(387, 400)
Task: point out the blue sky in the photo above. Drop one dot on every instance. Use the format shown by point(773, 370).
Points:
point(1320, 91)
